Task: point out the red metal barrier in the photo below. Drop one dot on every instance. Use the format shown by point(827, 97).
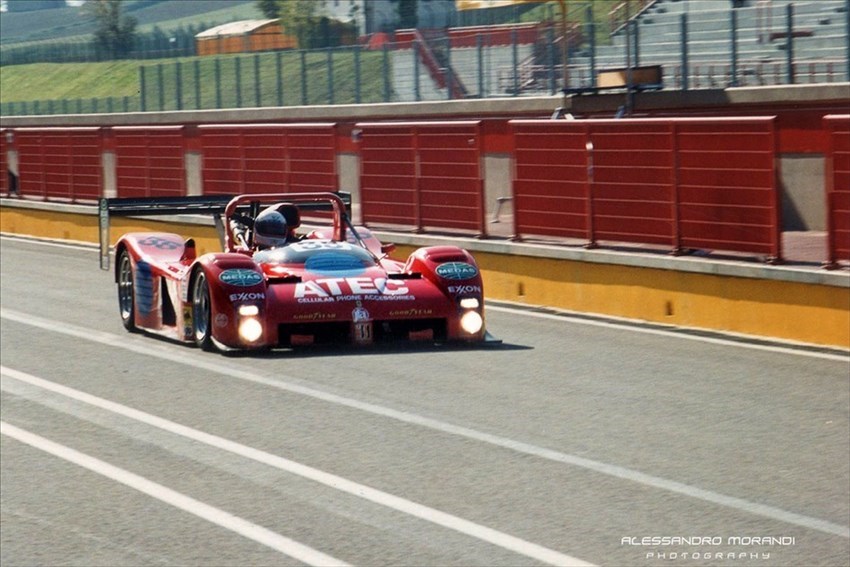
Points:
point(423, 174)
point(311, 157)
point(242, 159)
point(4, 161)
point(838, 187)
point(728, 197)
point(149, 160)
point(551, 179)
point(60, 163)
point(631, 181)
point(268, 158)
point(689, 183)
point(388, 184)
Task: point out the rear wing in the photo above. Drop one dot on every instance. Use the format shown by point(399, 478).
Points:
point(214, 205)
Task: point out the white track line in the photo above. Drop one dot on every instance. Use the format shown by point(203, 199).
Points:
point(455, 523)
point(214, 365)
point(188, 504)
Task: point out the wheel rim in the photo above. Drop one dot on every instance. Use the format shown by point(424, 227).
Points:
point(125, 287)
point(201, 307)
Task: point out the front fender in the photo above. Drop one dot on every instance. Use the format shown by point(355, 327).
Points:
point(234, 280)
point(445, 266)
point(453, 271)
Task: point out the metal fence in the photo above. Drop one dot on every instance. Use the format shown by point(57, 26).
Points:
point(702, 183)
point(765, 44)
point(153, 45)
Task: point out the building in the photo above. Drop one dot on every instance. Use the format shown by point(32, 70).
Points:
point(244, 36)
point(382, 15)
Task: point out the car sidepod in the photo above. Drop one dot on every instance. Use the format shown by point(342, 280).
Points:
point(147, 271)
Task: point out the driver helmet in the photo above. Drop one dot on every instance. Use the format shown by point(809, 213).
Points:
point(270, 229)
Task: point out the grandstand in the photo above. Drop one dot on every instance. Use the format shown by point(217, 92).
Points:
point(819, 41)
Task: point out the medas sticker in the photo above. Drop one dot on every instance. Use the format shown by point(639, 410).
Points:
point(240, 277)
point(457, 271)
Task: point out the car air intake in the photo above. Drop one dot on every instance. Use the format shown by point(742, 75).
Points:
point(339, 332)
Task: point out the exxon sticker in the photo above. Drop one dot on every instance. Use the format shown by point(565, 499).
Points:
point(240, 277)
point(457, 271)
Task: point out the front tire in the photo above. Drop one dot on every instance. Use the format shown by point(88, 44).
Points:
point(201, 312)
point(126, 291)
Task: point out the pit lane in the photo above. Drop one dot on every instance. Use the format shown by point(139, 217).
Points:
point(568, 438)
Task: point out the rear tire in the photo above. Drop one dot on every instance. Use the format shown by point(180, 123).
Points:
point(201, 312)
point(126, 291)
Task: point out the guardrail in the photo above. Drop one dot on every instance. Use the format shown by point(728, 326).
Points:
point(683, 183)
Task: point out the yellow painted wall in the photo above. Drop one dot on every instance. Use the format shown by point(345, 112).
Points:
point(808, 313)
point(84, 228)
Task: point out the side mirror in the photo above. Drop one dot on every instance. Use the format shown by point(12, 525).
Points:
point(387, 248)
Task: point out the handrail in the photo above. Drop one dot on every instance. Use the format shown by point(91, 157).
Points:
point(437, 72)
point(616, 19)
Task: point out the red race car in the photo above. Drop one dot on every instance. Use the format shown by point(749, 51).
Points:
point(275, 287)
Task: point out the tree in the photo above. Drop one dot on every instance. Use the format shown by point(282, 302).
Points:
point(300, 19)
point(30, 5)
point(269, 8)
point(114, 32)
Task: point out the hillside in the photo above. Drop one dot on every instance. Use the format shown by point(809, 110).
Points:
point(69, 80)
point(91, 84)
point(69, 22)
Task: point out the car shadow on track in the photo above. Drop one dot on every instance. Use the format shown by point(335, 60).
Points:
point(317, 351)
point(325, 350)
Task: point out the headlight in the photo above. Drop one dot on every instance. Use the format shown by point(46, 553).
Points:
point(249, 310)
point(250, 329)
point(469, 303)
point(471, 322)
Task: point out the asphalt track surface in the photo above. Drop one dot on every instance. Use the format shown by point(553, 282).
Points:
point(573, 442)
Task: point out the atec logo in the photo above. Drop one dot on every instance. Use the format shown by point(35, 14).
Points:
point(334, 287)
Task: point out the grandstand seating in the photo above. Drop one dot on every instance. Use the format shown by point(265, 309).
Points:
point(819, 40)
point(819, 44)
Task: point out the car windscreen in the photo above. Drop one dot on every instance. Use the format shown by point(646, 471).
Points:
point(319, 255)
